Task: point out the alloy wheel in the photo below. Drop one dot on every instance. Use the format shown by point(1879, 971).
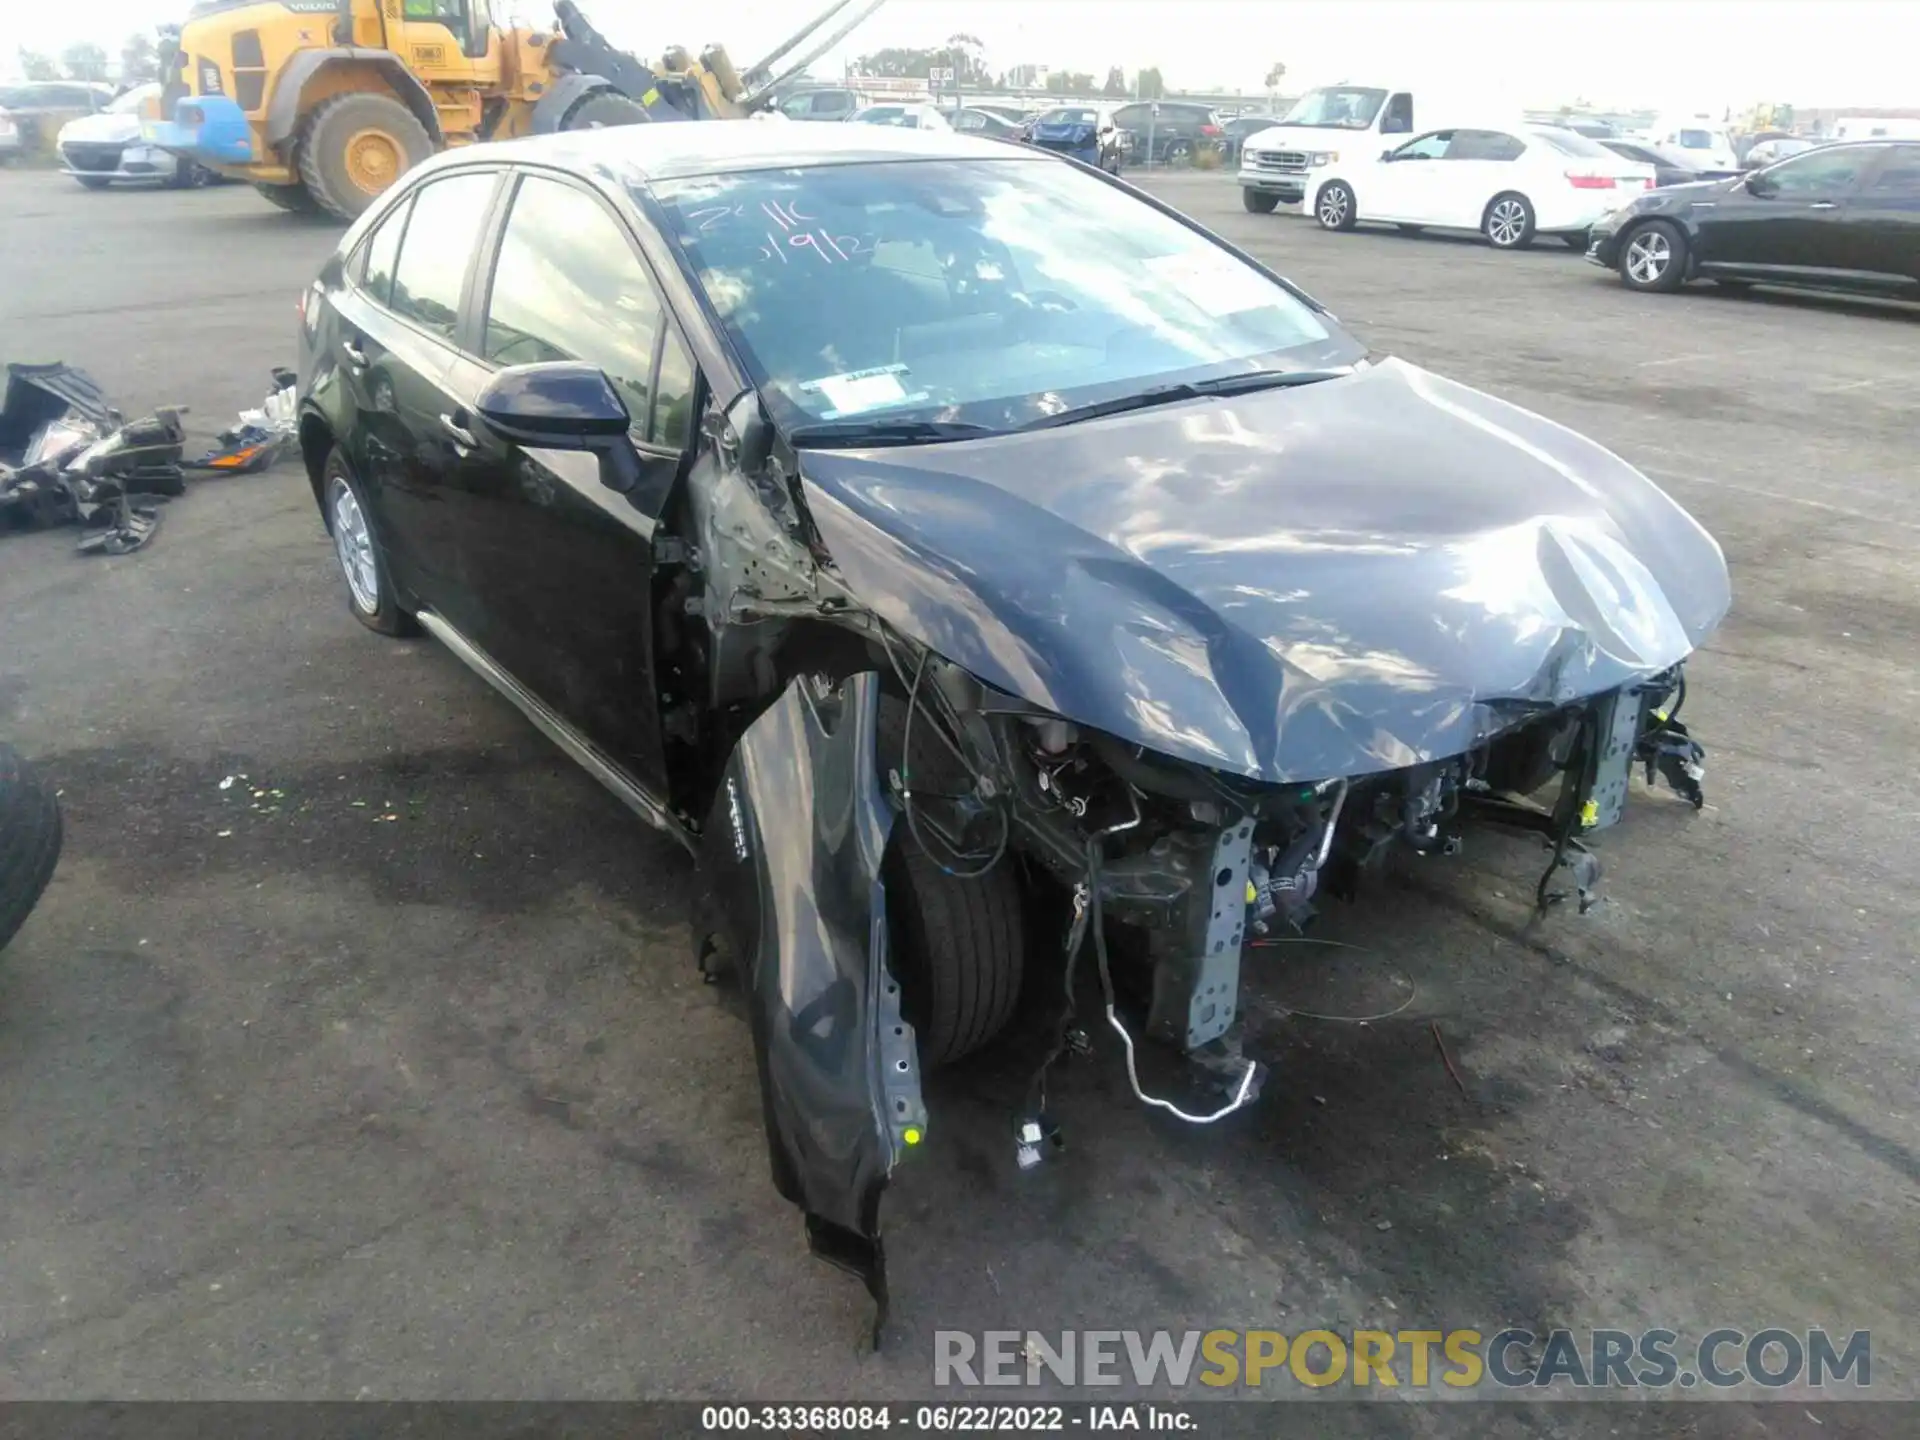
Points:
point(1648, 255)
point(1507, 222)
point(353, 544)
point(1333, 207)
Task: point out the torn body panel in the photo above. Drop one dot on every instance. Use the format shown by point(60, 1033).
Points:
point(792, 866)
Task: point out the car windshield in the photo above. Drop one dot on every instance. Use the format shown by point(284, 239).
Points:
point(1340, 108)
point(988, 293)
point(1067, 115)
point(1696, 140)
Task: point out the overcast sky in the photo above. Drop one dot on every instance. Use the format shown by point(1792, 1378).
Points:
point(1665, 53)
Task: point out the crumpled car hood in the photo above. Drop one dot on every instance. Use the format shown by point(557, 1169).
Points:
point(1343, 578)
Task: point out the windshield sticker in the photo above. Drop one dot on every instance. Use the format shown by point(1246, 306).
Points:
point(858, 391)
point(1217, 284)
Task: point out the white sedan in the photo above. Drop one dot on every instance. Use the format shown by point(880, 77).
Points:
point(1510, 183)
point(904, 117)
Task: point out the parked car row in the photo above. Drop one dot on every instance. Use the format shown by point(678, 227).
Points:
point(1841, 216)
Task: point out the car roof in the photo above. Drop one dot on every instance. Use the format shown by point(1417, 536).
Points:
point(636, 154)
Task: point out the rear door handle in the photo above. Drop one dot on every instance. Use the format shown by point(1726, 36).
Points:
point(356, 357)
point(462, 437)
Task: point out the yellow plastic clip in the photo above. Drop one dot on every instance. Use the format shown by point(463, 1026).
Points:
point(911, 1135)
point(1590, 814)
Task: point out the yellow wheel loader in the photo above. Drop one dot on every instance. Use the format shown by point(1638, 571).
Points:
point(322, 104)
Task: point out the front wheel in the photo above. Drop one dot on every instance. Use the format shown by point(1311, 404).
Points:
point(370, 592)
point(1259, 202)
point(1654, 257)
point(354, 145)
point(1335, 208)
point(1508, 223)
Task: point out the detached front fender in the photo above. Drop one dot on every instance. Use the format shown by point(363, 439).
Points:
point(791, 877)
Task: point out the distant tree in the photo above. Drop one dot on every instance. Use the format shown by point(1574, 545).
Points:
point(35, 66)
point(907, 62)
point(139, 62)
point(1150, 85)
point(1116, 86)
point(84, 61)
point(1275, 75)
point(1071, 82)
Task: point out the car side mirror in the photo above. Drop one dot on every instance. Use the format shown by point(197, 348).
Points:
point(1759, 186)
point(563, 405)
point(1387, 154)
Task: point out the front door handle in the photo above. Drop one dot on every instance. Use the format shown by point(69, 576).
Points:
point(356, 357)
point(462, 437)
point(1823, 205)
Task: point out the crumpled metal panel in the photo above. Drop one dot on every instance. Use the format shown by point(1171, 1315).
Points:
point(37, 395)
point(1339, 579)
point(791, 865)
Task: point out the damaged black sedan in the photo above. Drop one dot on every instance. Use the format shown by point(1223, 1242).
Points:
point(943, 541)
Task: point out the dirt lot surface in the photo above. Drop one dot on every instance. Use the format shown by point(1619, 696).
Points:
point(386, 1071)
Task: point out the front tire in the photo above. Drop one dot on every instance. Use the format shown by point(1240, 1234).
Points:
point(959, 941)
point(1259, 202)
point(1334, 207)
point(1508, 223)
point(357, 550)
point(1653, 257)
point(30, 837)
point(353, 146)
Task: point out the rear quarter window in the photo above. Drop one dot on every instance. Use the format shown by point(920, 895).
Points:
point(442, 233)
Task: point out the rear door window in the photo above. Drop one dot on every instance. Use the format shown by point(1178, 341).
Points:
point(442, 233)
point(382, 249)
point(568, 286)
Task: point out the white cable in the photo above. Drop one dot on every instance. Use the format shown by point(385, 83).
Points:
point(1133, 1078)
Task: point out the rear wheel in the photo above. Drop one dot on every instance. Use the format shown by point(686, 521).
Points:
point(603, 109)
point(1334, 208)
point(186, 176)
point(1653, 256)
point(29, 841)
point(959, 942)
point(1180, 152)
point(370, 591)
point(1508, 223)
point(292, 198)
point(352, 147)
point(1259, 202)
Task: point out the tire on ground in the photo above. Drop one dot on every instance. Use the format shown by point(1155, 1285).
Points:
point(1327, 201)
point(1259, 202)
point(292, 198)
point(353, 146)
point(30, 835)
point(387, 617)
point(603, 108)
point(1673, 274)
point(1488, 224)
point(959, 945)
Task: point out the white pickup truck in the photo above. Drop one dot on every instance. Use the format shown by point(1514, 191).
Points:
point(1322, 126)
